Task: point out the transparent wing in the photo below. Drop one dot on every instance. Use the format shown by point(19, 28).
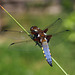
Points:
point(14, 34)
point(55, 27)
point(24, 46)
point(20, 41)
point(58, 32)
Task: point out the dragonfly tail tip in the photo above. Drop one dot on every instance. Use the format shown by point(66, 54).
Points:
point(51, 65)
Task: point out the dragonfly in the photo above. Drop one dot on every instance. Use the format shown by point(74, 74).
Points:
point(42, 39)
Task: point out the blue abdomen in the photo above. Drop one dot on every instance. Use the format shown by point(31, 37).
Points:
point(47, 53)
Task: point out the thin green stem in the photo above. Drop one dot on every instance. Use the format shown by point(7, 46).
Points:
point(59, 66)
point(31, 37)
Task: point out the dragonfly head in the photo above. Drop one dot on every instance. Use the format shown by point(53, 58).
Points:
point(34, 29)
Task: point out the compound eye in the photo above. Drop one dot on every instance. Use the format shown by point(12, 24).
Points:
point(31, 28)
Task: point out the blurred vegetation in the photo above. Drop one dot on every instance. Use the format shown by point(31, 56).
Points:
point(28, 59)
point(67, 5)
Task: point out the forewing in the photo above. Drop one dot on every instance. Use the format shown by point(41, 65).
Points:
point(14, 34)
point(55, 27)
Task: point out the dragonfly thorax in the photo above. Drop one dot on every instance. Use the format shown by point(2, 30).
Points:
point(39, 35)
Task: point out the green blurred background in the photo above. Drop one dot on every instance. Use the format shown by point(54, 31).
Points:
point(26, 58)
